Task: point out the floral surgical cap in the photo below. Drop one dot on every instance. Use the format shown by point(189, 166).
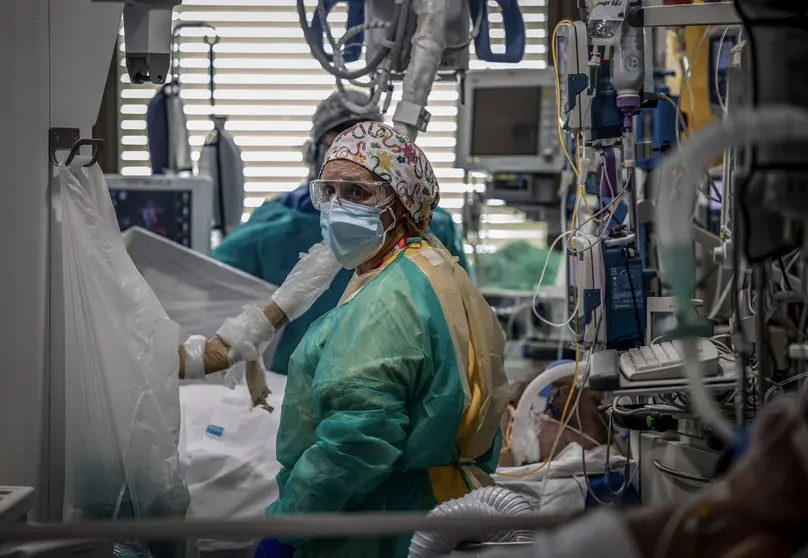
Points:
point(397, 160)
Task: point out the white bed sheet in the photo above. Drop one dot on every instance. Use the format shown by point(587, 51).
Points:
point(227, 453)
point(565, 490)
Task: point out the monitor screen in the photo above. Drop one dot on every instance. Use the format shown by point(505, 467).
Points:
point(723, 56)
point(163, 212)
point(506, 121)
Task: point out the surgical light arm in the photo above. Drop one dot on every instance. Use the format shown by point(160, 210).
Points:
point(147, 32)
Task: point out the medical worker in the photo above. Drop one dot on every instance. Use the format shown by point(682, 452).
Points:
point(393, 398)
point(269, 244)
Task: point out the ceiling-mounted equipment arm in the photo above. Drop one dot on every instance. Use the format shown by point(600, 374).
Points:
point(147, 32)
point(428, 44)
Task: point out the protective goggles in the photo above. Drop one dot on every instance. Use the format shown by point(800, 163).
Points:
point(367, 193)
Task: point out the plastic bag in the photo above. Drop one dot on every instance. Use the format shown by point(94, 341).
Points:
point(122, 413)
point(197, 291)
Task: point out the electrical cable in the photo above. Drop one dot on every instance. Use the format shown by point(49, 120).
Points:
point(563, 421)
point(572, 250)
point(608, 208)
point(721, 345)
point(784, 280)
point(789, 265)
point(779, 386)
point(478, 21)
point(605, 228)
point(721, 102)
point(577, 355)
point(633, 297)
point(720, 301)
point(507, 434)
point(627, 477)
point(351, 32)
point(323, 16)
point(541, 280)
point(666, 538)
point(565, 424)
point(320, 56)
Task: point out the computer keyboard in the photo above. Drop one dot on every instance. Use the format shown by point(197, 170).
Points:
point(665, 361)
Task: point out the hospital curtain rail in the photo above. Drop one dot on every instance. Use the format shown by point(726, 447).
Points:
point(268, 85)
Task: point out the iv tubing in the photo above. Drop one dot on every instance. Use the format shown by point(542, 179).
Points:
point(775, 123)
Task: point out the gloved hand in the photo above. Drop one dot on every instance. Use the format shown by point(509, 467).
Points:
point(271, 548)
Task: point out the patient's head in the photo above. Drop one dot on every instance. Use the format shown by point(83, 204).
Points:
point(592, 423)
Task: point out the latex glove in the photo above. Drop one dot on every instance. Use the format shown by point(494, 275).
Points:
point(307, 281)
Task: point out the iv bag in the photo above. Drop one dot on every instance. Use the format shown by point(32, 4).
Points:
point(121, 367)
point(606, 19)
point(220, 159)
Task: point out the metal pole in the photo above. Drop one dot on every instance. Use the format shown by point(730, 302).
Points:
point(314, 525)
point(634, 221)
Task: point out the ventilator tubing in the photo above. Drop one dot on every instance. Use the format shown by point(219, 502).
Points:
point(494, 501)
point(675, 208)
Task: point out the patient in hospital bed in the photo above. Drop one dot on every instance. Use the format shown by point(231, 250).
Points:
point(592, 424)
point(559, 486)
point(595, 428)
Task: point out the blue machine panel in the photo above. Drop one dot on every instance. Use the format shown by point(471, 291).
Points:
point(625, 297)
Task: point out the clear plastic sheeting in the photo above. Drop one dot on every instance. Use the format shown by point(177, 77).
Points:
point(307, 281)
point(122, 412)
point(198, 292)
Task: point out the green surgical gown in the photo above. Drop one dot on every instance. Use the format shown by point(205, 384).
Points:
point(373, 400)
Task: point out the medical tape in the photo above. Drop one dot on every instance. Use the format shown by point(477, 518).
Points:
point(245, 333)
point(195, 357)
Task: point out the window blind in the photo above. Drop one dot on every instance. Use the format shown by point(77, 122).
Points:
point(268, 85)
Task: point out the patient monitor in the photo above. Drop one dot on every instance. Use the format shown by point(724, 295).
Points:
point(179, 208)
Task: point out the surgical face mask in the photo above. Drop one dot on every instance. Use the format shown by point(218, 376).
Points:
point(352, 232)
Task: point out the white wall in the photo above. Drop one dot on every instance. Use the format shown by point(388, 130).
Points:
point(24, 175)
point(54, 57)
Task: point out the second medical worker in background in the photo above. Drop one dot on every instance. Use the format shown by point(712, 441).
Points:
point(269, 244)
